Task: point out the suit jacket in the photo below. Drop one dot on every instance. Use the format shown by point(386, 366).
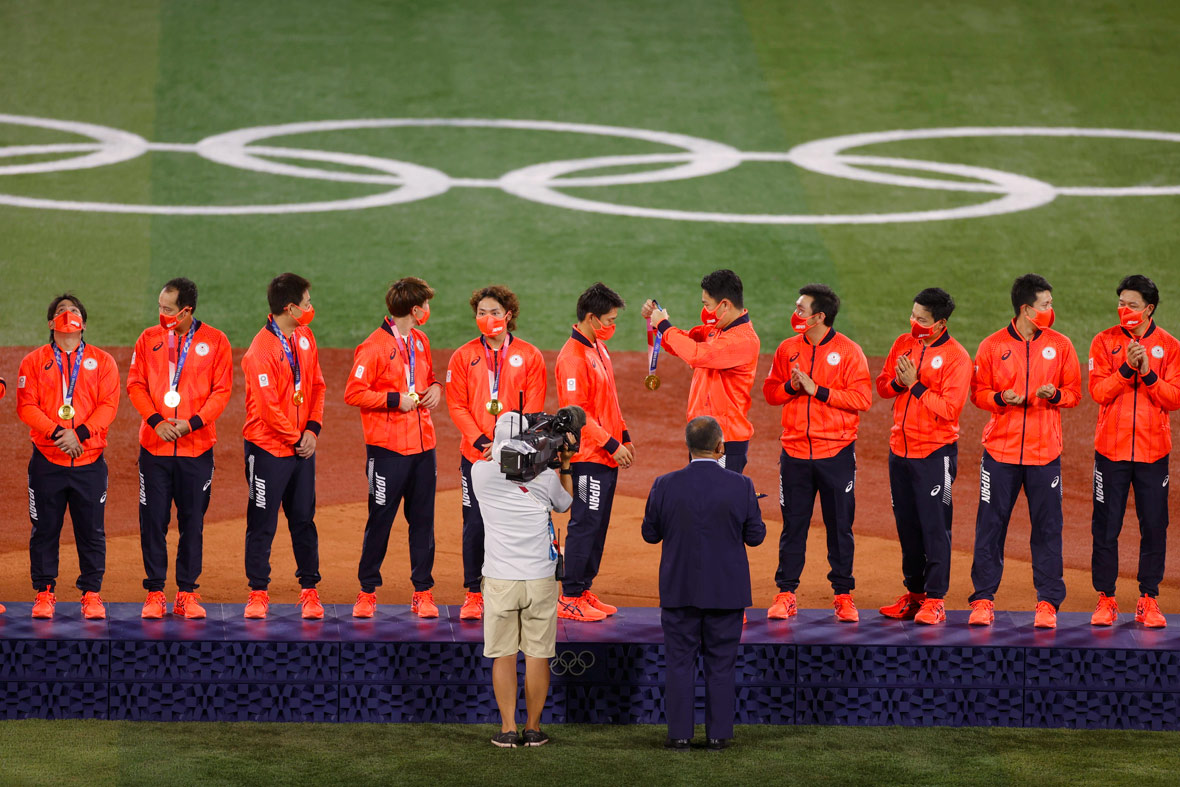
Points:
point(705, 515)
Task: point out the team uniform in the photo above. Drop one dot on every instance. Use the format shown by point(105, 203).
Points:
point(586, 378)
point(924, 455)
point(3, 390)
point(1022, 448)
point(57, 481)
point(275, 423)
point(180, 471)
point(517, 368)
point(400, 448)
point(724, 363)
point(1132, 444)
point(818, 450)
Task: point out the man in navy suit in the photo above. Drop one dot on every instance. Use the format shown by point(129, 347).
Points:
point(705, 515)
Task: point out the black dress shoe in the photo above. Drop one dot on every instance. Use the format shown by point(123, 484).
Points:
point(678, 744)
point(717, 744)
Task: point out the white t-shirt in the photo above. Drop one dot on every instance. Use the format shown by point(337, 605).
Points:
point(516, 543)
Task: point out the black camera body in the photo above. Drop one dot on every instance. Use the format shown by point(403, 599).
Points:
point(536, 449)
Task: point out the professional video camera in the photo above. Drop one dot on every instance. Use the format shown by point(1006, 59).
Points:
point(526, 455)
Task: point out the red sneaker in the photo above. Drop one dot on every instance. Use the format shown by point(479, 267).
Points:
point(1046, 617)
point(472, 608)
point(257, 605)
point(598, 604)
point(578, 608)
point(309, 599)
point(783, 607)
point(188, 605)
point(92, 608)
point(423, 604)
point(905, 608)
point(983, 613)
point(845, 609)
point(1147, 612)
point(3, 609)
point(155, 606)
point(365, 606)
point(1107, 611)
point(44, 604)
point(933, 611)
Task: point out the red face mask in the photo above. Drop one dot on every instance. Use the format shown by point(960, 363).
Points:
point(491, 325)
point(708, 317)
point(306, 316)
point(799, 324)
point(604, 332)
point(425, 314)
point(67, 322)
point(169, 322)
point(1129, 318)
point(1043, 319)
point(919, 331)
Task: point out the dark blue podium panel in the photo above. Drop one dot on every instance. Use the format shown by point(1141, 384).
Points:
point(397, 667)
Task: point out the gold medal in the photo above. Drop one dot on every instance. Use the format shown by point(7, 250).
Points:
point(494, 407)
point(297, 398)
point(414, 397)
point(651, 382)
point(65, 412)
point(172, 399)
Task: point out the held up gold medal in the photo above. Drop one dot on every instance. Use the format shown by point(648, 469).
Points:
point(651, 382)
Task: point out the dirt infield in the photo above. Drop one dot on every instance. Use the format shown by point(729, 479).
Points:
point(629, 568)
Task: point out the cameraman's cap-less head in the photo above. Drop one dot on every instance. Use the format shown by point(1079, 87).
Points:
point(508, 427)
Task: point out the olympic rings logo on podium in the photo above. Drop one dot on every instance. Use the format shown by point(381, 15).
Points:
point(691, 157)
point(570, 663)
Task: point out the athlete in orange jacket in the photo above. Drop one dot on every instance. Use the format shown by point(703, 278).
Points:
point(723, 354)
point(1024, 375)
point(1135, 378)
point(285, 393)
point(821, 380)
point(393, 384)
point(586, 378)
point(495, 372)
point(180, 381)
point(68, 394)
point(928, 376)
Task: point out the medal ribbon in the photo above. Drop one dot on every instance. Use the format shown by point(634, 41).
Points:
point(408, 349)
point(292, 358)
point(188, 340)
point(68, 392)
point(654, 340)
point(495, 362)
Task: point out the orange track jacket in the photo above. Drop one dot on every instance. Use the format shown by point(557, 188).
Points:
point(274, 422)
point(926, 416)
point(585, 377)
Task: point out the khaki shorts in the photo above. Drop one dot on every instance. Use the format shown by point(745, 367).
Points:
point(519, 615)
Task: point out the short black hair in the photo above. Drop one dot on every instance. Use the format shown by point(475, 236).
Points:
point(724, 285)
point(186, 292)
point(285, 289)
point(65, 296)
point(598, 299)
point(1142, 285)
point(938, 301)
point(1026, 289)
point(702, 434)
point(824, 300)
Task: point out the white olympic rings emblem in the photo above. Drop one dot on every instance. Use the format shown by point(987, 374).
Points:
point(570, 663)
point(694, 157)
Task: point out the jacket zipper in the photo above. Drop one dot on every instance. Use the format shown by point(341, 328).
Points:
point(1024, 423)
point(1134, 413)
point(811, 373)
point(906, 411)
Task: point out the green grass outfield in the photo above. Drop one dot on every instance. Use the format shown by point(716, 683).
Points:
point(762, 75)
point(127, 753)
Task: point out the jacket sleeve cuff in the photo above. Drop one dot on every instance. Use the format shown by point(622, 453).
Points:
point(664, 325)
point(1150, 378)
point(821, 393)
point(1055, 398)
point(611, 446)
point(999, 399)
point(56, 433)
point(482, 442)
point(83, 433)
point(195, 423)
point(626, 437)
point(898, 387)
point(314, 427)
point(1126, 371)
point(392, 400)
point(918, 390)
point(790, 389)
point(154, 419)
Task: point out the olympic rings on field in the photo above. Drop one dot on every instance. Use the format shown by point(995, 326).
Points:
point(570, 663)
point(545, 183)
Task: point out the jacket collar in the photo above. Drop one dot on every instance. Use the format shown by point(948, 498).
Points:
point(941, 340)
point(1129, 335)
point(831, 334)
point(743, 320)
point(577, 336)
point(1015, 334)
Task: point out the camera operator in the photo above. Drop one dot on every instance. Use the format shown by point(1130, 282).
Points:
point(519, 586)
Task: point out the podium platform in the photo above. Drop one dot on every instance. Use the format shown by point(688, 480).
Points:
point(400, 668)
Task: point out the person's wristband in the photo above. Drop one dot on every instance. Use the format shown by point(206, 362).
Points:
point(567, 471)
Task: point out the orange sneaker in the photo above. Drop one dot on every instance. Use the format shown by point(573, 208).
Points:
point(423, 604)
point(783, 606)
point(906, 606)
point(472, 608)
point(188, 605)
point(365, 606)
point(845, 609)
point(933, 611)
point(44, 604)
point(257, 605)
point(309, 599)
point(92, 608)
point(1147, 612)
point(983, 612)
point(155, 606)
point(598, 604)
point(3, 609)
point(1046, 617)
point(1107, 611)
point(578, 608)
